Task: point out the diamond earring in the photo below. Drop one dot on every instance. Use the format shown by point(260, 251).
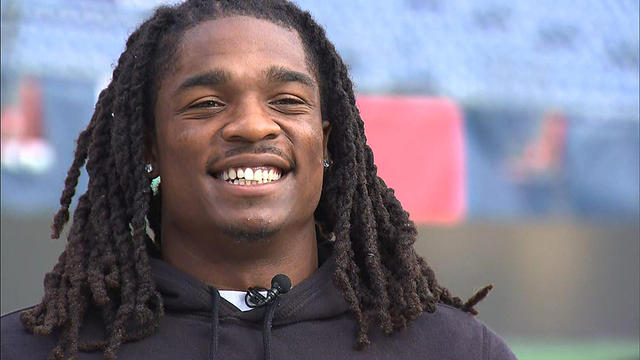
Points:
point(326, 163)
point(148, 168)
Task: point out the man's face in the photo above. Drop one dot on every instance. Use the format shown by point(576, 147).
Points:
point(241, 102)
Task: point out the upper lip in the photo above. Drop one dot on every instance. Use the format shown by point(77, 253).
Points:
point(251, 160)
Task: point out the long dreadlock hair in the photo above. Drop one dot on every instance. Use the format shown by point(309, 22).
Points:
point(106, 261)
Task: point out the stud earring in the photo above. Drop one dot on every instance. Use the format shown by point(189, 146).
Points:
point(148, 168)
point(326, 163)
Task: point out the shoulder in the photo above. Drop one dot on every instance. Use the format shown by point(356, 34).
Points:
point(462, 333)
point(18, 343)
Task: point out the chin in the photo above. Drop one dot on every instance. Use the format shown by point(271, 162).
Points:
point(255, 230)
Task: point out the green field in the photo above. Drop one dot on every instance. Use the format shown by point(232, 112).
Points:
point(576, 350)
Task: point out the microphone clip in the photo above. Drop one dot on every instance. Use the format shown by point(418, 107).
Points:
point(280, 284)
point(254, 299)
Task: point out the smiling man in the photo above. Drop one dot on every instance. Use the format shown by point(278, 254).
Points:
point(244, 114)
point(242, 102)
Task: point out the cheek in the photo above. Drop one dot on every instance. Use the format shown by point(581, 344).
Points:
point(315, 142)
point(313, 161)
point(180, 147)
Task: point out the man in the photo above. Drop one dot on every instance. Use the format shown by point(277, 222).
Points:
point(246, 114)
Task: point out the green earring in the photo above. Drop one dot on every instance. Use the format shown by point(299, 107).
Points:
point(155, 185)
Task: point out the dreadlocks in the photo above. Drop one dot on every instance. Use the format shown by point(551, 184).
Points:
point(106, 262)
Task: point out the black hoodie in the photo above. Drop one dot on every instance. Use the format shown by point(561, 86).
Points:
point(312, 321)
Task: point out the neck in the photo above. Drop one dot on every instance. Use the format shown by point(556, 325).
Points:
point(228, 264)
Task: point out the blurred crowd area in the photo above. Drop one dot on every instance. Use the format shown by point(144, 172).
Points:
point(520, 120)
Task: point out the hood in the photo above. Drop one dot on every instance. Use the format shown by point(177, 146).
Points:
point(314, 298)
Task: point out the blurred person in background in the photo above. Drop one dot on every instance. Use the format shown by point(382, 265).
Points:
point(24, 146)
point(226, 149)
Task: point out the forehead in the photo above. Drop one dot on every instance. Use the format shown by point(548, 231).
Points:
point(238, 44)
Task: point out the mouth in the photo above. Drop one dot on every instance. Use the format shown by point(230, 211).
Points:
point(250, 175)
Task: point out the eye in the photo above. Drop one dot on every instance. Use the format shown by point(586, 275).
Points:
point(288, 101)
point(207, 104)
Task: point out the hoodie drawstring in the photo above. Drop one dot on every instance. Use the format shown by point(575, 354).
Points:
point(213, 348)
point(266, 331)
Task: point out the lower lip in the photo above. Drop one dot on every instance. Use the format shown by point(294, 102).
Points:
point(252, 190)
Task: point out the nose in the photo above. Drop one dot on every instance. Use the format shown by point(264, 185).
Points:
point(251, 123)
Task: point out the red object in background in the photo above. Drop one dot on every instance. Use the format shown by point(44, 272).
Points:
point(418, 145)
point(24, 120)
point(23, 145)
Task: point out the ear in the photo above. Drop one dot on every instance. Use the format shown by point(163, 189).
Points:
point(326, 130)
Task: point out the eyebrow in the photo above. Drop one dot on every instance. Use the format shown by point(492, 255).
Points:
point(209, 79)
point(282, 74)
point(215, 78)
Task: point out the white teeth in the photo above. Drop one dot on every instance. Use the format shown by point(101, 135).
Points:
point(248, 174)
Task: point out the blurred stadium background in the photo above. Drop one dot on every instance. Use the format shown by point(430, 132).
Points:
point(519, 120)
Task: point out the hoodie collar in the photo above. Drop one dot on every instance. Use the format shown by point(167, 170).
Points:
point(314, 298)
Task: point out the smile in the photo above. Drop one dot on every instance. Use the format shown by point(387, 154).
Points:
point(249, 176)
